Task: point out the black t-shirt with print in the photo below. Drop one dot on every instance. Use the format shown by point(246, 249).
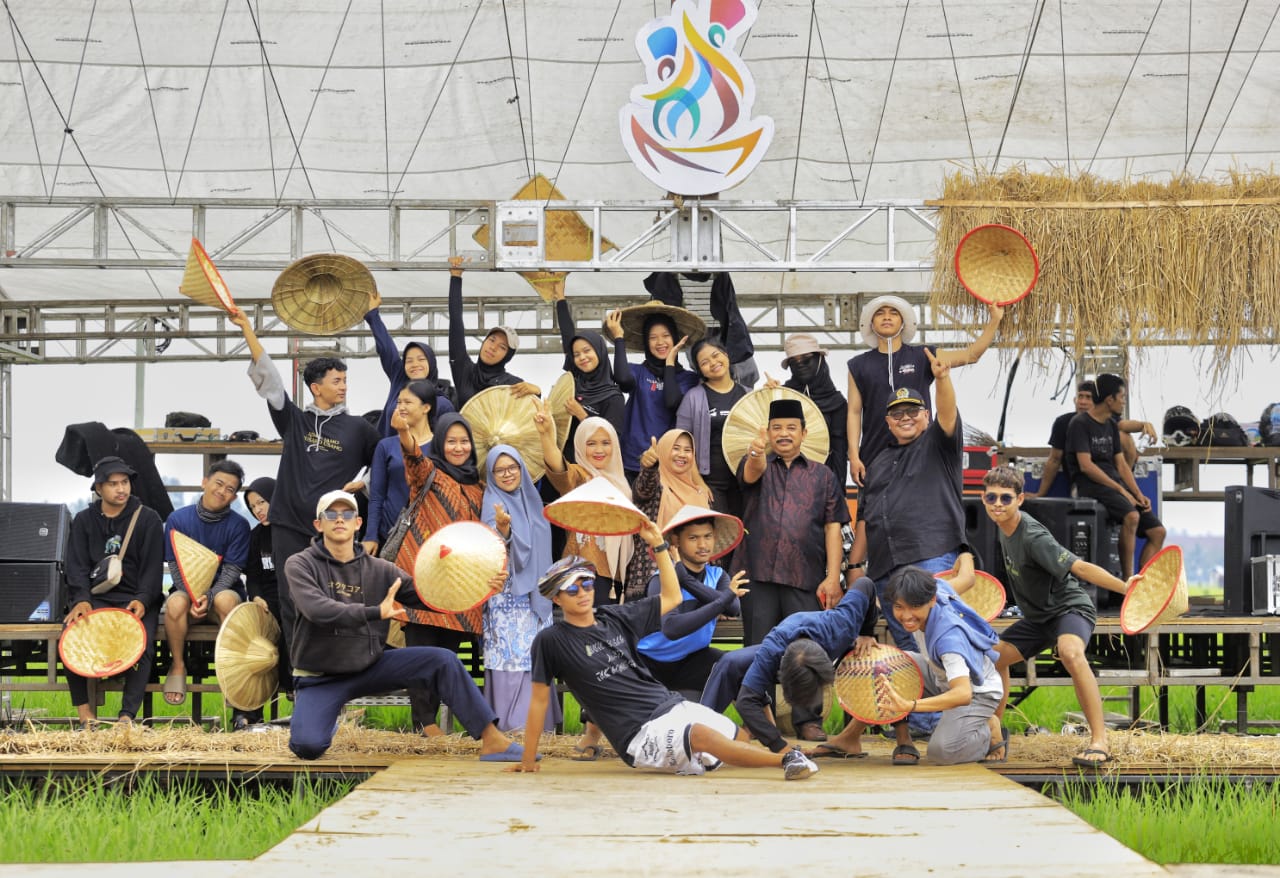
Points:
point(718, 407)
point(1100, 440)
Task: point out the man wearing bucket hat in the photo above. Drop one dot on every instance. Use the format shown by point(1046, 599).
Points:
point(345, 598)
point(811, 375)
point(593, 651)
point(115, 524)
point(1057, 612)
point(489, 369)
point(887, 324)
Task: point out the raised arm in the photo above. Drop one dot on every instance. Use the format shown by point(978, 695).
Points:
point(392, 362)
point(944, 399)
point(622, 375)
point(974, 351)
point(551, 455)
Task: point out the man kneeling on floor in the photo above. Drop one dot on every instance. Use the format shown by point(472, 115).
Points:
point(957, 659)
point(344, 598)
point(593, 650)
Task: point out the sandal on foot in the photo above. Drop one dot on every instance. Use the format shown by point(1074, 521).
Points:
point(587, 753)
point(831, 751)
point(1083, 760)
point(1002, 744)
point(175, 685)
point(906, 754)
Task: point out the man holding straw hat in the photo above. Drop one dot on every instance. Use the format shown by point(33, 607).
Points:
point(115, 526)
point(345, 598)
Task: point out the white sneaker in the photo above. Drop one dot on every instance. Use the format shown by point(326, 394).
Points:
point(797, 766)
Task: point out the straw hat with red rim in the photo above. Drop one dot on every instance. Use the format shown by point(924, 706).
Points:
point(996, 264)
point(597, 508)
point(855, 683)
point(728, 528)
point(197, 565)
point(986, 596)
point(1156, 595)
point(455, 566)
point(102, 643)
point(247, 657)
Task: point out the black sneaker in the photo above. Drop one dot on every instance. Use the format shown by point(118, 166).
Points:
point(797, 766)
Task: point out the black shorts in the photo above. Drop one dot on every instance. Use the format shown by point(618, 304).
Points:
point(1118, 506)
point(1031, 638)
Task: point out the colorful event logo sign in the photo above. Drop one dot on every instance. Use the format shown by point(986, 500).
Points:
point(689, 127)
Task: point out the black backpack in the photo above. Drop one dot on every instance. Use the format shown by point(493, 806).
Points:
point(1181, 427)
point(1269, 424)
point(1222, 430)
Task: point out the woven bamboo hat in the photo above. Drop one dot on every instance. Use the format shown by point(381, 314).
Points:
point(597, 508)
point(1156, 595)
point(197, 565)
point(567, 237)
point(986, 596)
point(202, 282)
point(454, 566)
point(247, 657)
point(633, 318)
point(996, 264)
point(855, 683)
point(323, 294)
point(498, 418)
point(102, 643)
point(561, 392)
point(751, 413)
point(728, 528)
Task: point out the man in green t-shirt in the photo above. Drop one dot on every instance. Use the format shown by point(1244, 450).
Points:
point(1045, 579)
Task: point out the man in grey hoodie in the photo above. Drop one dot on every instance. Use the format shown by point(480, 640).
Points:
point(344, 598)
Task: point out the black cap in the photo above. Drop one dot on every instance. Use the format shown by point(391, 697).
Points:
point(786, 408)
point(108, 467)
point(905, 396)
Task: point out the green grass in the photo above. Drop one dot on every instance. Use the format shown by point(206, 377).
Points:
point(86, 821)
point(1048, 706)
point(1204, 821)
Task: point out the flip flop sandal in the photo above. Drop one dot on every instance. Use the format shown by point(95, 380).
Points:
point(1083, 760)
point(175, 686)
point(587, 753)
point(1002, 743)
point(906, 754)
point(831, 751)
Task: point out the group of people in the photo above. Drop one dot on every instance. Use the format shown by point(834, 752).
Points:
point(625, 622)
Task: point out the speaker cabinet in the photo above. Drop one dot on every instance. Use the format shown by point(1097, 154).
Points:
point(30, 592)
point(1251, 529)
point(33, 531)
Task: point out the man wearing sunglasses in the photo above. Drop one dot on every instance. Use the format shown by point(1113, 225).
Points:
point(345, 598)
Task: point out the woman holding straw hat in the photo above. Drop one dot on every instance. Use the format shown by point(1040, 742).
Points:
point(489, 369)
point(388, 490)
point(702, 414)
point(449, 484)
point(598, 386)
point(598, 454)
point(512, 618)
point(668, 482)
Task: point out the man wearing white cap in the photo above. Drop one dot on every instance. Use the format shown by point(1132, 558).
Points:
point(887, 324)
point(345, 598)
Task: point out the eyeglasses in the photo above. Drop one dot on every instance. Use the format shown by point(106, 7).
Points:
point(991, 498)
point(335, 514)
point(503, 472)
point(905, 413)
point(579, 585)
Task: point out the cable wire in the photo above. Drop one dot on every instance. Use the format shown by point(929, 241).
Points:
point(146, 81)
point(1022, 72)
point(884, 104)
point(1124, 85)
point(515, 84)
point(1226, 58)
point(208, 72)
point(804, 94)
point(1240, 90)
point(955, 68)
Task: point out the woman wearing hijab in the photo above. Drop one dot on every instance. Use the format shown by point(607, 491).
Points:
point(660, 383)
point(811, 375)
point(598, 454)
point(515, 615)
point(388, 490)
point(489, 369)
point(451, 482)
point(598, 386)
point(702, 414)
point(668, 481)
point(417, 362)
point(260, 580)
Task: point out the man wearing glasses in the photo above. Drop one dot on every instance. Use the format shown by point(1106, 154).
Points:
point(344, 599)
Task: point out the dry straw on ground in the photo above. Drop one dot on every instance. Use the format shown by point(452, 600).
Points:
point(1125, 262)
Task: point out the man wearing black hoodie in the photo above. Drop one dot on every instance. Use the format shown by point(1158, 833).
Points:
point(344, 599)
point(96, 533)
point(324, 448)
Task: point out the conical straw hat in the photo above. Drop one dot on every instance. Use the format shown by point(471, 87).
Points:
point(197, 566)
point(728, 528)
point(568, 238)
point(996, 264)
point(561, 393)
point(202, 282)
point(986, 596)
point(1156, 595)
point(633, 318)
point(596, 508)
point(454, 567)
point(855, 683)
point(498, 418)
point(102, 643)
point(751, 413)
point(323, 294)
point(247, 657)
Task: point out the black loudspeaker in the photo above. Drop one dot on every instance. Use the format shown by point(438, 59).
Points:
point(1080, 525)
point(1251, 529)
point(982, 535)
point(33, 531)
point(30, 592)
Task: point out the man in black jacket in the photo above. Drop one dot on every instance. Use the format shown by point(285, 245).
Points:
point(344, 598)
point(96, 533)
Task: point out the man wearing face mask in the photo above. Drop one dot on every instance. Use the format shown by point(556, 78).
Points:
point(811, 375)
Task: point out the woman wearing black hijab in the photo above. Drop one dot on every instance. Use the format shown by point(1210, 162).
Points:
point(489, 369)
point(598, 386)
point(810, 375)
